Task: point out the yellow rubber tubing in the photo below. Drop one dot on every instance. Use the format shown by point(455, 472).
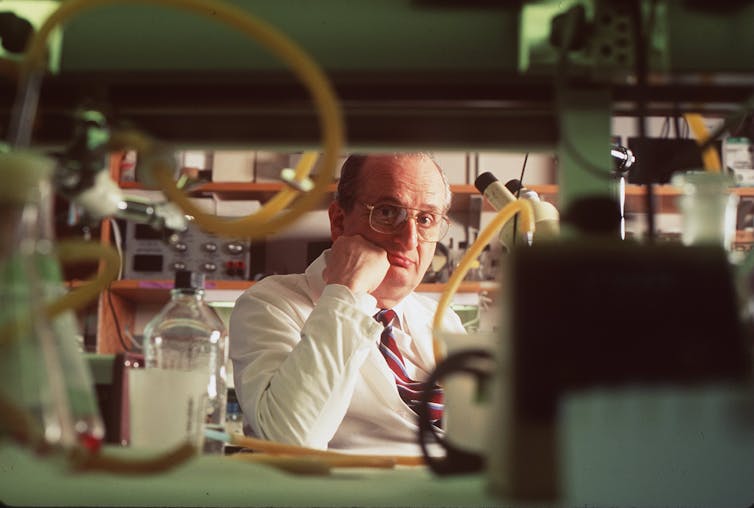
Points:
point(472, 253)
point(301, 64)
point(77, 250)
point(710, 157)
point(247, 227)
point(68, 251)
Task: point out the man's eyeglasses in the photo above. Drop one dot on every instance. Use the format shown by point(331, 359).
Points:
point(389, 219)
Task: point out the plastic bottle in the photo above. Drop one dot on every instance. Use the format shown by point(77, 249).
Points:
point(187, 334)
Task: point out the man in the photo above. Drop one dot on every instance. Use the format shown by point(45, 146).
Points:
point(305, 348)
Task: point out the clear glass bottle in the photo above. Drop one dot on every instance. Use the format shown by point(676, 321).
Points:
point(187, 334)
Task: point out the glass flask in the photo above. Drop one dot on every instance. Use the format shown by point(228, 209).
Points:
point(44, 372)
point(188, 335)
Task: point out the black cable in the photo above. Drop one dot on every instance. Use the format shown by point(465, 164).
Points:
point(518, 194)
point(665, 130)
point(521, 178)
point(641, 71)
point(735, 119)
point(456, 460)
point(677, 125)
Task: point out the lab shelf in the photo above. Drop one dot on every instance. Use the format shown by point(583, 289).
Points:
point(462, 193)
point(158, 291)
point(117, 305)
point(263, 191)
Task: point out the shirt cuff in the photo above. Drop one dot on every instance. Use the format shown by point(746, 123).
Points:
point(363, 301)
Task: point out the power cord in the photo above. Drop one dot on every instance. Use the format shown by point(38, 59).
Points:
point(116, 321)
point(518, 194)
point(641, 71)
point(118, 242)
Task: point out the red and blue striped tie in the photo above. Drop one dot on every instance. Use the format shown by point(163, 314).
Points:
point(409, 390)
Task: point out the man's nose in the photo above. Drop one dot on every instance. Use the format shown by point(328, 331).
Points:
point(408, 234)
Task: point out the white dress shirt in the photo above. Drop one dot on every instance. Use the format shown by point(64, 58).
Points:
point(307, 367)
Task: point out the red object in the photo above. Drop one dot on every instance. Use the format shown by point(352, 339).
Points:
point(90, 442)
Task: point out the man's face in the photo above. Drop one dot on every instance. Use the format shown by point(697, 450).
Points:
point(410, 182)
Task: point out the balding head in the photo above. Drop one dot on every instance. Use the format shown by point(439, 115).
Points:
point(350, 175)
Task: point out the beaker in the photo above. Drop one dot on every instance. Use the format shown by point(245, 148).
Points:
point(708, 208)
point(43, 373)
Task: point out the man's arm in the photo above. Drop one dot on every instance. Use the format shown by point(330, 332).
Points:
point(296, 373)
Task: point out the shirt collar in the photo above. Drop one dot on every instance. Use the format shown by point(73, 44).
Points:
point(399, 308)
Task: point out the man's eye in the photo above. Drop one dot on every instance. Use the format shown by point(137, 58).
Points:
point(426, 219)
point(387, 211)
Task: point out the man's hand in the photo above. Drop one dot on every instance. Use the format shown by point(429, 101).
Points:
point(356, 263)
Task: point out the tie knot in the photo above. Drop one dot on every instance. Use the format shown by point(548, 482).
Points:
point(385, 316)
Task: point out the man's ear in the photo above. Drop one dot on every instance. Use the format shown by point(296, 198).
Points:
point(337, 218)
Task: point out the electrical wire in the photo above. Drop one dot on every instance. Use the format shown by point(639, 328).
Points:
point(677, 126)
point(665, 130)
point(518, 194)
point(641, 71)
point(734, 119)
point(118, 241)
point(116, 321)
point(521, 176)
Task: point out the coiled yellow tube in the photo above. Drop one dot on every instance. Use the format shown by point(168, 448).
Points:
point(70, 251)
point(485, 236)
point(268, 220)
point(76, 250)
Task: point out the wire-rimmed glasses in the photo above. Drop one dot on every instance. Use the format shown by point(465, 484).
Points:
point(389, 218)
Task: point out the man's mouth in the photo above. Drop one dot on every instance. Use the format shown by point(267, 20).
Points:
point(398, 260)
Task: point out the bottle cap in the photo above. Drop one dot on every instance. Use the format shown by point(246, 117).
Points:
point(186, 279)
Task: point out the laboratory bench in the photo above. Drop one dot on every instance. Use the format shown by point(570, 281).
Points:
point(632, 446)
point(26, 480)
point(215, 480)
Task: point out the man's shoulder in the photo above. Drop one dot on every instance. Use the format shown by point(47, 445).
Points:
point(275, 288)
point(421, 301)
point(418, 304)
point(278, 282)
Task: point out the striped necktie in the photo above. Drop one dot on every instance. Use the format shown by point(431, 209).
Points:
point(409, 390)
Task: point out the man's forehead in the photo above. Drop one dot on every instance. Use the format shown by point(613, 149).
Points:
point(403, 170)
point(396, 161)
point(403, 180)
